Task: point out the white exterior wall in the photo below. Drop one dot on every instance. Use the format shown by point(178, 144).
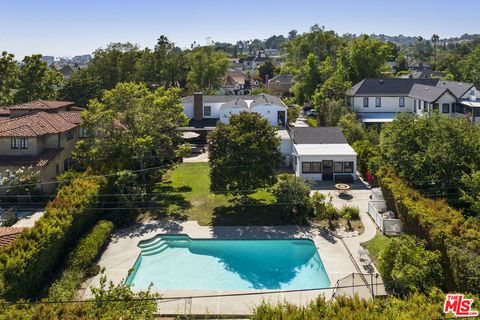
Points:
point(269, 111)
point(389, 104)
point(286, 149)
point(318, 176)
point(226, 113)
point(467, 95)
point(188, 109)
point(446, 98)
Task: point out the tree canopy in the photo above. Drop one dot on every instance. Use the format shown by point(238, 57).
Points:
point(243, 154)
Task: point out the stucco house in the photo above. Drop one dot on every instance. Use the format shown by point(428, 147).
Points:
point(205, 111)
point(41, 134)
point(378, 100)
point(235, 83)
point(280, 85)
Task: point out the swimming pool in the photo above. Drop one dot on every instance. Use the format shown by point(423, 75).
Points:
point(180, 262)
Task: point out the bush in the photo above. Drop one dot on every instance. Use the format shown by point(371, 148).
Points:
point(418, 306)
point(80, 262)
point(29, 261)
point(443, 227)
point(124, 304)
point(322, 208)
point(293, 195)
point(350, 213)
point(407, 267)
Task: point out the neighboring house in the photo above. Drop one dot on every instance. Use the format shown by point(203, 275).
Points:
point(322, 153)
point(8, 234)
point(424, 74)
point(236, 83)
point(280, 85)
point(205, 111)
point(41, 134)
point(253, 62)
point(379, 100)
point(66, 71)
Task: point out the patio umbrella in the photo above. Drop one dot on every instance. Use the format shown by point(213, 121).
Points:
point(190, 135)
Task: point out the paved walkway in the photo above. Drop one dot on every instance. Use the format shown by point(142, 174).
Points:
point(197, 157)
point(360, 196)
point(28, 220)
point(301, 120)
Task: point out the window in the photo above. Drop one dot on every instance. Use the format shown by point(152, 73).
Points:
point(445, 108)
point(378, 102)
point(435, 106)
point(311, 167)
point(70, 134)
point(306, 168)
point(401, 102)
point(57, 168)
point(66, 163)
point(365, 102)
point(425, 105)
point(23, 143)
point(14, 143)
point(476, 112)
point(419, 104)
point(207, 111)
point(348, 167)
point(82, 132)
point(454, 107)
point(316, 167)
point(338, 167)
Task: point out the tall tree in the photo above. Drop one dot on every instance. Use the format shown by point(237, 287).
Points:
point(207, 67)
point(36, 80)
point(131, 127)
point(307, 79)
point(8, 78)
point(435, 39)
point(266, 69)
point(243, 154)
point(81, 87)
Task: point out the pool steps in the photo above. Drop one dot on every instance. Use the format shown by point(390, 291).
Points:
point(160, 244)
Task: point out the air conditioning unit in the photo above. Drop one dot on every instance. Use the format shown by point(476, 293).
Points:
point(473, 97)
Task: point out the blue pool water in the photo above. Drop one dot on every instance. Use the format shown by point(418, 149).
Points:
point(179, 262)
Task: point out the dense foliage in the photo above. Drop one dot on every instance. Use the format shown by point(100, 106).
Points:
point(79, 264)
point(109, 302)
point(28, 262)
point(292, 195)
point(416, 307)
point(131, 128)
point(243, 154)
point(443, 227)
point(407, 267)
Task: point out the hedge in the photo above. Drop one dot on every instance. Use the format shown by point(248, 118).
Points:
point(80, 260)
point(29, 261)
point(443, 227)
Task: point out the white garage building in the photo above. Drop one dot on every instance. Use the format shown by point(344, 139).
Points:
point(322, 154)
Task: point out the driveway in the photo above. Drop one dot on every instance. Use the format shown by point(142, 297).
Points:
point(301, 120)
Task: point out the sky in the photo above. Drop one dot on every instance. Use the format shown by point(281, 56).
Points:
point(68, 28)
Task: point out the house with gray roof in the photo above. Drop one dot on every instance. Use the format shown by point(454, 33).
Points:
point(378, 100)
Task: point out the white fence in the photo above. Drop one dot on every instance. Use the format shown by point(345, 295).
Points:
point(386, 225)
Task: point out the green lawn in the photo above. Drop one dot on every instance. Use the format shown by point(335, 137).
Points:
point(376, 245)
point(185, 194)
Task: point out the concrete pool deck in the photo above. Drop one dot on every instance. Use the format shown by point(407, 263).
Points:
point(122, 252)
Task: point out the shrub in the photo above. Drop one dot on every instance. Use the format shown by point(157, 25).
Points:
point(443, 227)
point(28, 262)
point(350, 213)
point(80, 261)
point(417, 306)
point(322, 208)
point(293, 195)
point(406, 266)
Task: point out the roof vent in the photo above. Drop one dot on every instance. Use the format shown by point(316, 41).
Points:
point(381, 81)
point(426, 88)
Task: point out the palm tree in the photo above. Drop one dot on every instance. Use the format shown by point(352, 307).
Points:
point(435, 39)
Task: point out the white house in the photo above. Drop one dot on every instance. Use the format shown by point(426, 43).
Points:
point(379, 100)
point(205, 111)
point(320, 154)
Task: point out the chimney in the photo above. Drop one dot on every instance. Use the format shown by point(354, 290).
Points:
point(198, 106)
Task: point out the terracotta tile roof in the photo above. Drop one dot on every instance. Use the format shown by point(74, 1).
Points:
point(40, 105)
point(8, 234)
point(39, 124)
point(4, 111)
point(36, 160)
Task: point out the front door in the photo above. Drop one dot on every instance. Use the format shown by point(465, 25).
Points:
point(327, 170)
point(281, 118)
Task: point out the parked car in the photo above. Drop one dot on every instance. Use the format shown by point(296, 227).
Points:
point(312, 113)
